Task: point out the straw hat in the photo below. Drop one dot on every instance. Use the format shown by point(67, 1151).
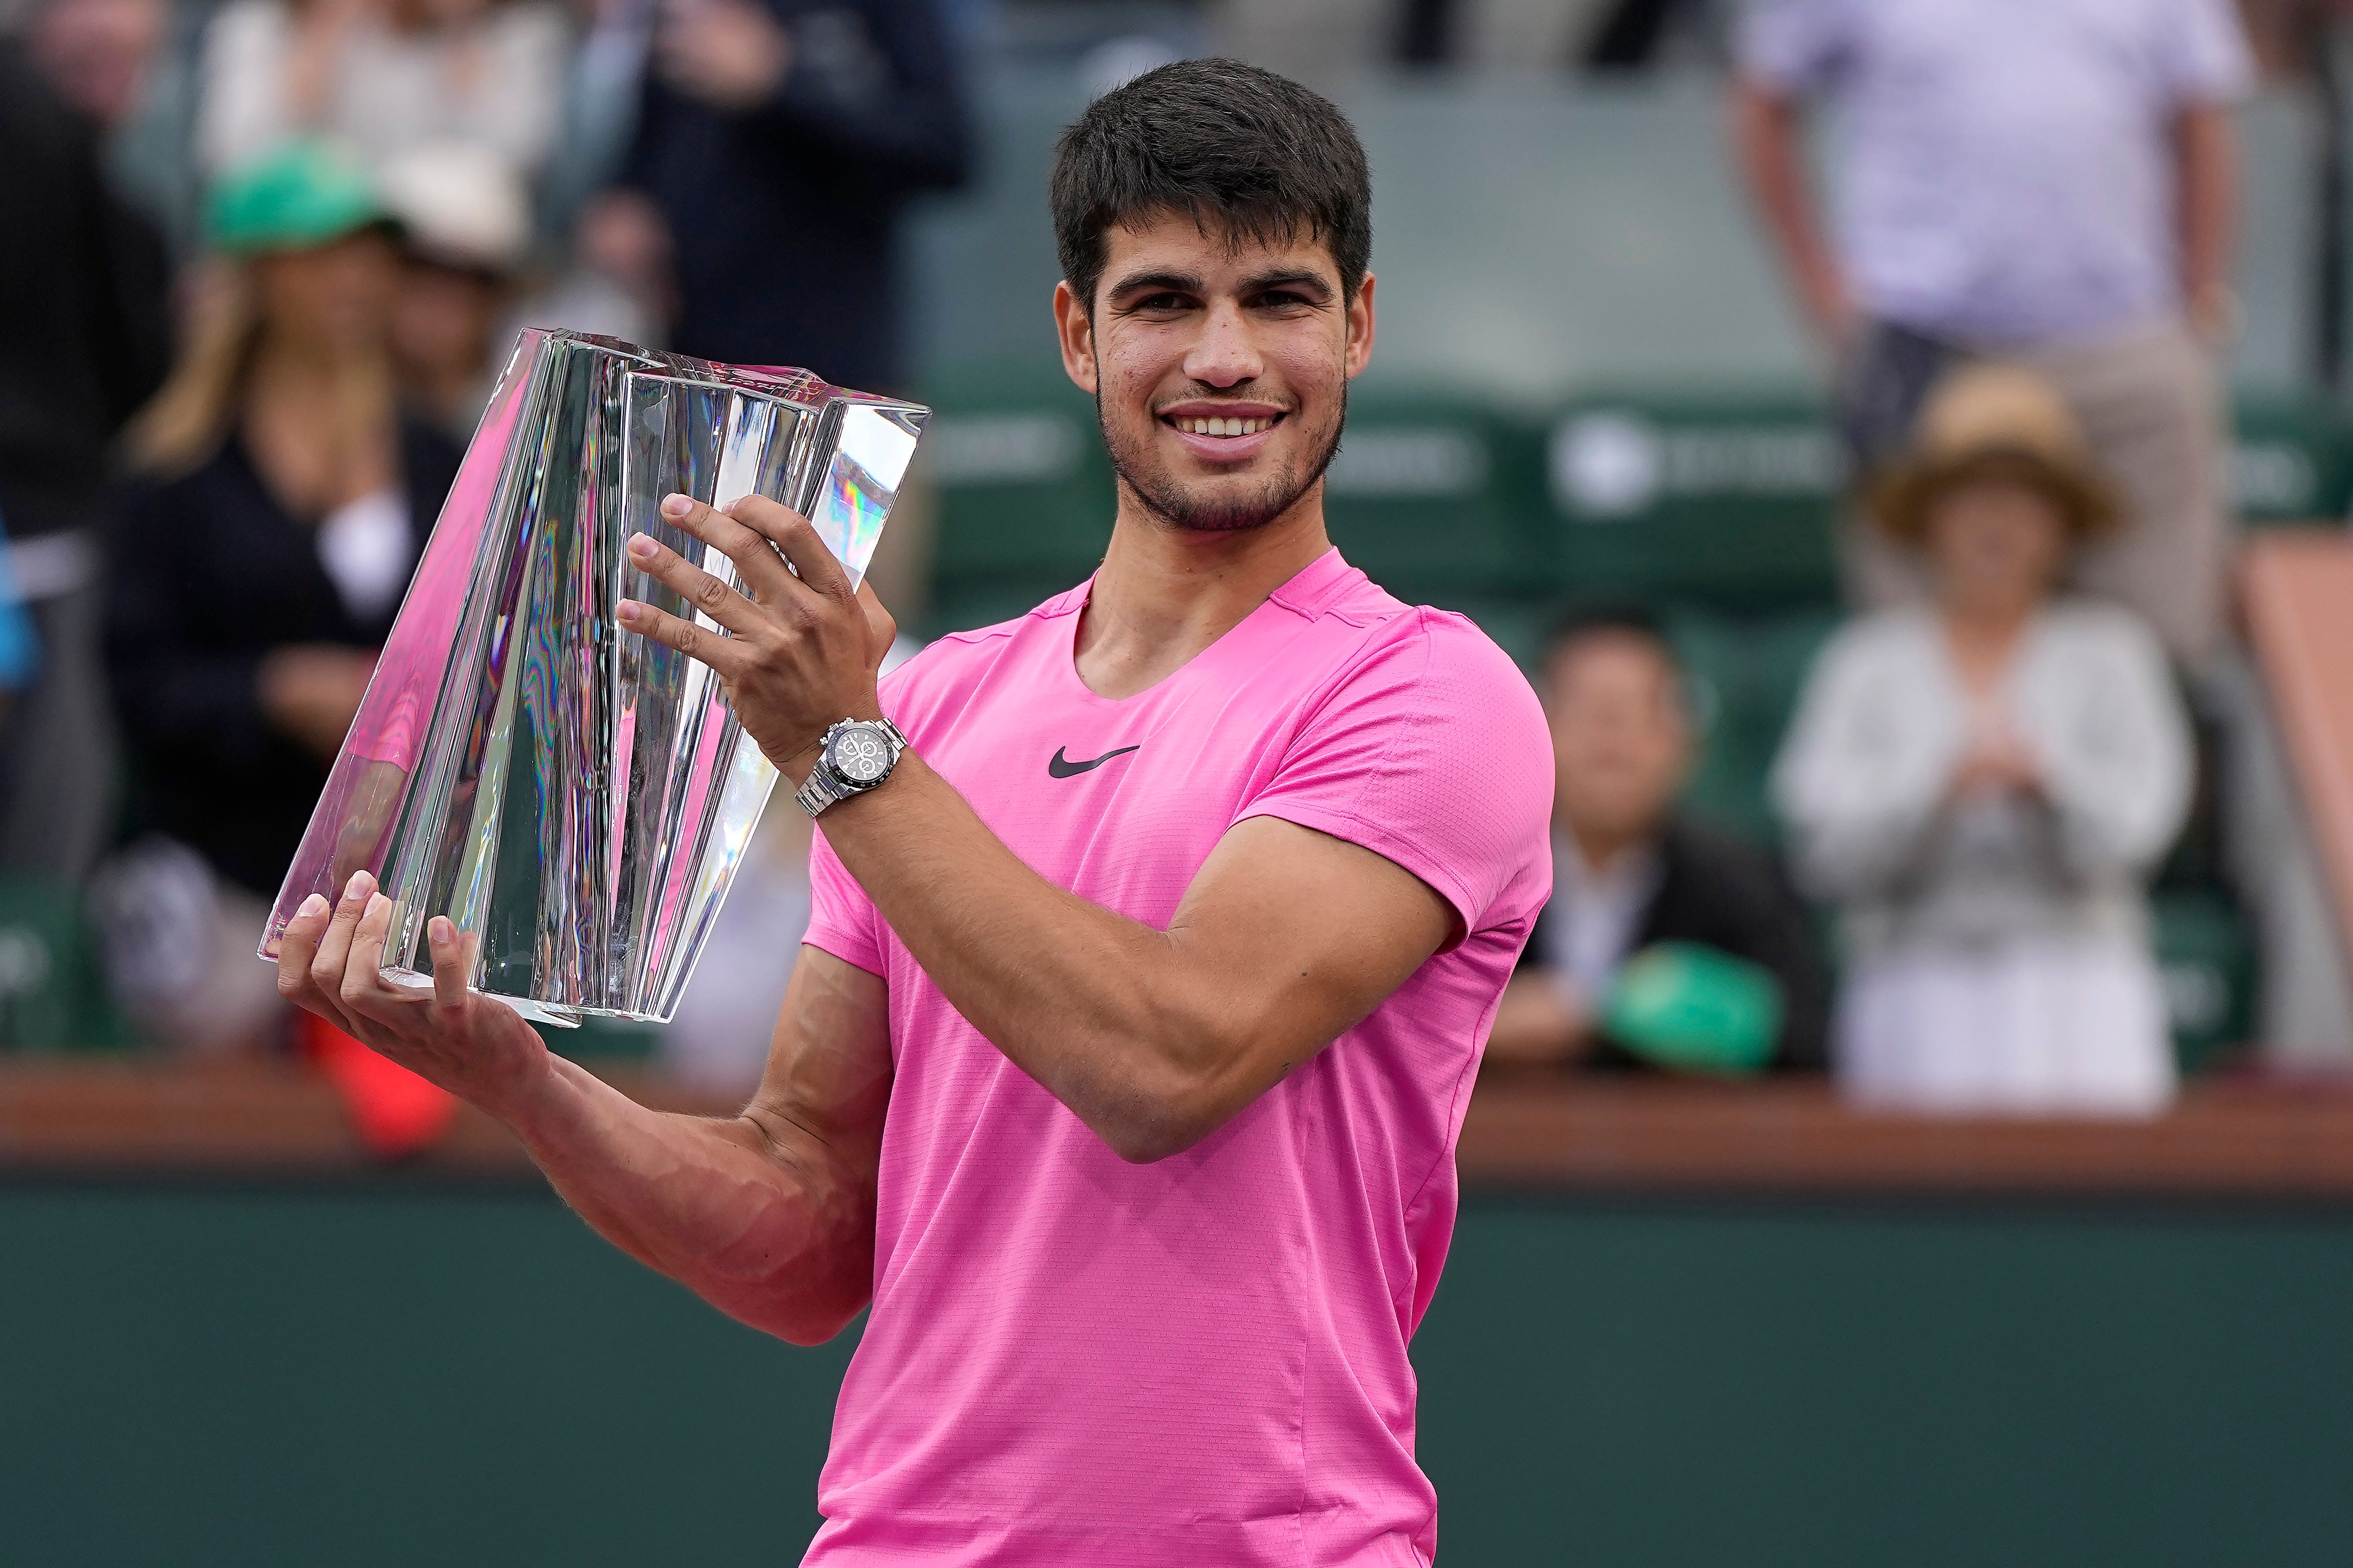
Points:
point(1989, 421)
point(461, 204)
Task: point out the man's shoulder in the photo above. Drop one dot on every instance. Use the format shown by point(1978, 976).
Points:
point(1451, 665)
point(955, 661)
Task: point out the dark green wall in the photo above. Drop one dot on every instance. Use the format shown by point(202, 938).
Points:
point(388, 1376)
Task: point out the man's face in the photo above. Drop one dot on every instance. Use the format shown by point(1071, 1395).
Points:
point(1621, 743)
point(1221, 371)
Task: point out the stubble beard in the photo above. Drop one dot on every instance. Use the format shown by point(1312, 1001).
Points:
point(1169, 500)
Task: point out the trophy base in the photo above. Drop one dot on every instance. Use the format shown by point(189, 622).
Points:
point(548, 1013)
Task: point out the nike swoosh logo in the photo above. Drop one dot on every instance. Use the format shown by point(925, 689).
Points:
point(1062, 767)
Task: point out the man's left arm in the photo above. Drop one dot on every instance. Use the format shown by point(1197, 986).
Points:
point(1154, 1039)
point(1286, 938)
point(2206, 165)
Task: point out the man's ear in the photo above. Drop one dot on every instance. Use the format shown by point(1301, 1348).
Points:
point(1075, 325)
point(1360, 327)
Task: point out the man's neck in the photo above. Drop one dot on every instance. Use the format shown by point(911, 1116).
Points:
point(1165, 593)
point(1603, 851)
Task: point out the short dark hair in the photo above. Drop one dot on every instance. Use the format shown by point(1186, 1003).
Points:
point(1638, 623)
point(1239, 149)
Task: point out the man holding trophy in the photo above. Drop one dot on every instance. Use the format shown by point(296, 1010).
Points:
point(1156, 935)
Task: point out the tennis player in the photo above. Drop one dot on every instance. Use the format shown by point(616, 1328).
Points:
point(1156, 936)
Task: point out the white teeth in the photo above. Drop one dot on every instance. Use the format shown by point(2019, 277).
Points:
point(1223, 426)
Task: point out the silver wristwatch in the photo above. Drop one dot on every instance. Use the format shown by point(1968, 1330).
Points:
point(856, 755)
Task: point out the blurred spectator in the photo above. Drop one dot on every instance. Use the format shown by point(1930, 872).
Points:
point(383, 77)
point(20, 656)
point(83, 340)
point(601, 88)
point(96, 53)
point(785, 136)
point(464, 221)
point(280, 503)
point(1985, 785)
point(1633, 877)
point(117, 64)
point(2048, 180)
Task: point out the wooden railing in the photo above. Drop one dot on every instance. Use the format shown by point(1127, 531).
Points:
point(91, 1116)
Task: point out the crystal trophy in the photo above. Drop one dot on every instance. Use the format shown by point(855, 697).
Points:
point(578, 795)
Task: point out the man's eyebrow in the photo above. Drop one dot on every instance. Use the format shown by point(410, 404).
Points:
point(1179, 282)
point(1301, 278)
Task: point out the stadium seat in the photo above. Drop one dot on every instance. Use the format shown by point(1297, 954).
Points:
point(2292, 460)
point(2206, 952)
point(1025, 490)
point(1746, 672)
point(52, 994)
point(1437, 498)
point(1726, 498)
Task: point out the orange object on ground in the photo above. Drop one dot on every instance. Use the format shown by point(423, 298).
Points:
point(395, 1112)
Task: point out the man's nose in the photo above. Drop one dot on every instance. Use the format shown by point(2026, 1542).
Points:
point(1223, 356)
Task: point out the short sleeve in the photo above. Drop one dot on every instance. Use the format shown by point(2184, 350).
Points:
point(2202, 53)
point(1793, 47)
point(843, 920)
point(1430, 752)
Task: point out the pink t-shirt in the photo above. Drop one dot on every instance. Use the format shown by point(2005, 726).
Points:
point(1074, 1359)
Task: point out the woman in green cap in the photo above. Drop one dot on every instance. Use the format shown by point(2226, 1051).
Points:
point(280, 502)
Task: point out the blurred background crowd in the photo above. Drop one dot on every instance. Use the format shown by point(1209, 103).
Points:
point(1851, 412)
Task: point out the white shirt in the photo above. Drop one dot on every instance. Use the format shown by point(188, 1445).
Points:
point(2004, 174)
point(1590, 925)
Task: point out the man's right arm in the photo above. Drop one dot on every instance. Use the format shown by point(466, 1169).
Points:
point(1768, 143)
point(768, 1215)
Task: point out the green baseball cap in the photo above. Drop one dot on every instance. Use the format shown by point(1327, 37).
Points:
point(1695, 1009)
point(296, 196)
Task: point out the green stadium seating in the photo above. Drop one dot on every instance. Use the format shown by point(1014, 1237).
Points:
point(1025, 490)
point(2206, 952)
point(1746, 672)
point(2293, 458)
point(52, 994)
point(1727, 498)
point(1438, 499)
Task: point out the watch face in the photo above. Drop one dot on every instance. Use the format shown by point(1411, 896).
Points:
point(860, 755)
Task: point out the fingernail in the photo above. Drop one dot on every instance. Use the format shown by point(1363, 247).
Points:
point(641, 546)
point(440, 929)
point(626, 611)
point(373, 899)
point(677, 506)
point(361, 882)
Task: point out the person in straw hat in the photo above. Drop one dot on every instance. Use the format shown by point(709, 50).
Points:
point(1984, 782)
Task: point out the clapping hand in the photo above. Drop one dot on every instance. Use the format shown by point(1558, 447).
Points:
point(1997, 762)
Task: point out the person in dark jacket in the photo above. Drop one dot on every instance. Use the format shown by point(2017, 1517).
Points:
point(281, 501)
point(84, 339)
point(777, 143)
point(1632, 874)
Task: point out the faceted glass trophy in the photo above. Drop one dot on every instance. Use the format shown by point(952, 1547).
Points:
point(579, 795)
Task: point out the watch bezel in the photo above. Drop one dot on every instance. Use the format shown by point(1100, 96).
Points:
point(842, 731)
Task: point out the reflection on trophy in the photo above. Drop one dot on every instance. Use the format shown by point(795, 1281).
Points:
point(576, 795)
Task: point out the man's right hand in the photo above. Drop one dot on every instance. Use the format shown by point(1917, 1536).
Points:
point(475, 1047)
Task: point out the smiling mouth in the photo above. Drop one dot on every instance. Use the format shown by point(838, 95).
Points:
point(1201, 425)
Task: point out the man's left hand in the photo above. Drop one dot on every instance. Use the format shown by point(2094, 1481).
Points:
point(796, 654)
